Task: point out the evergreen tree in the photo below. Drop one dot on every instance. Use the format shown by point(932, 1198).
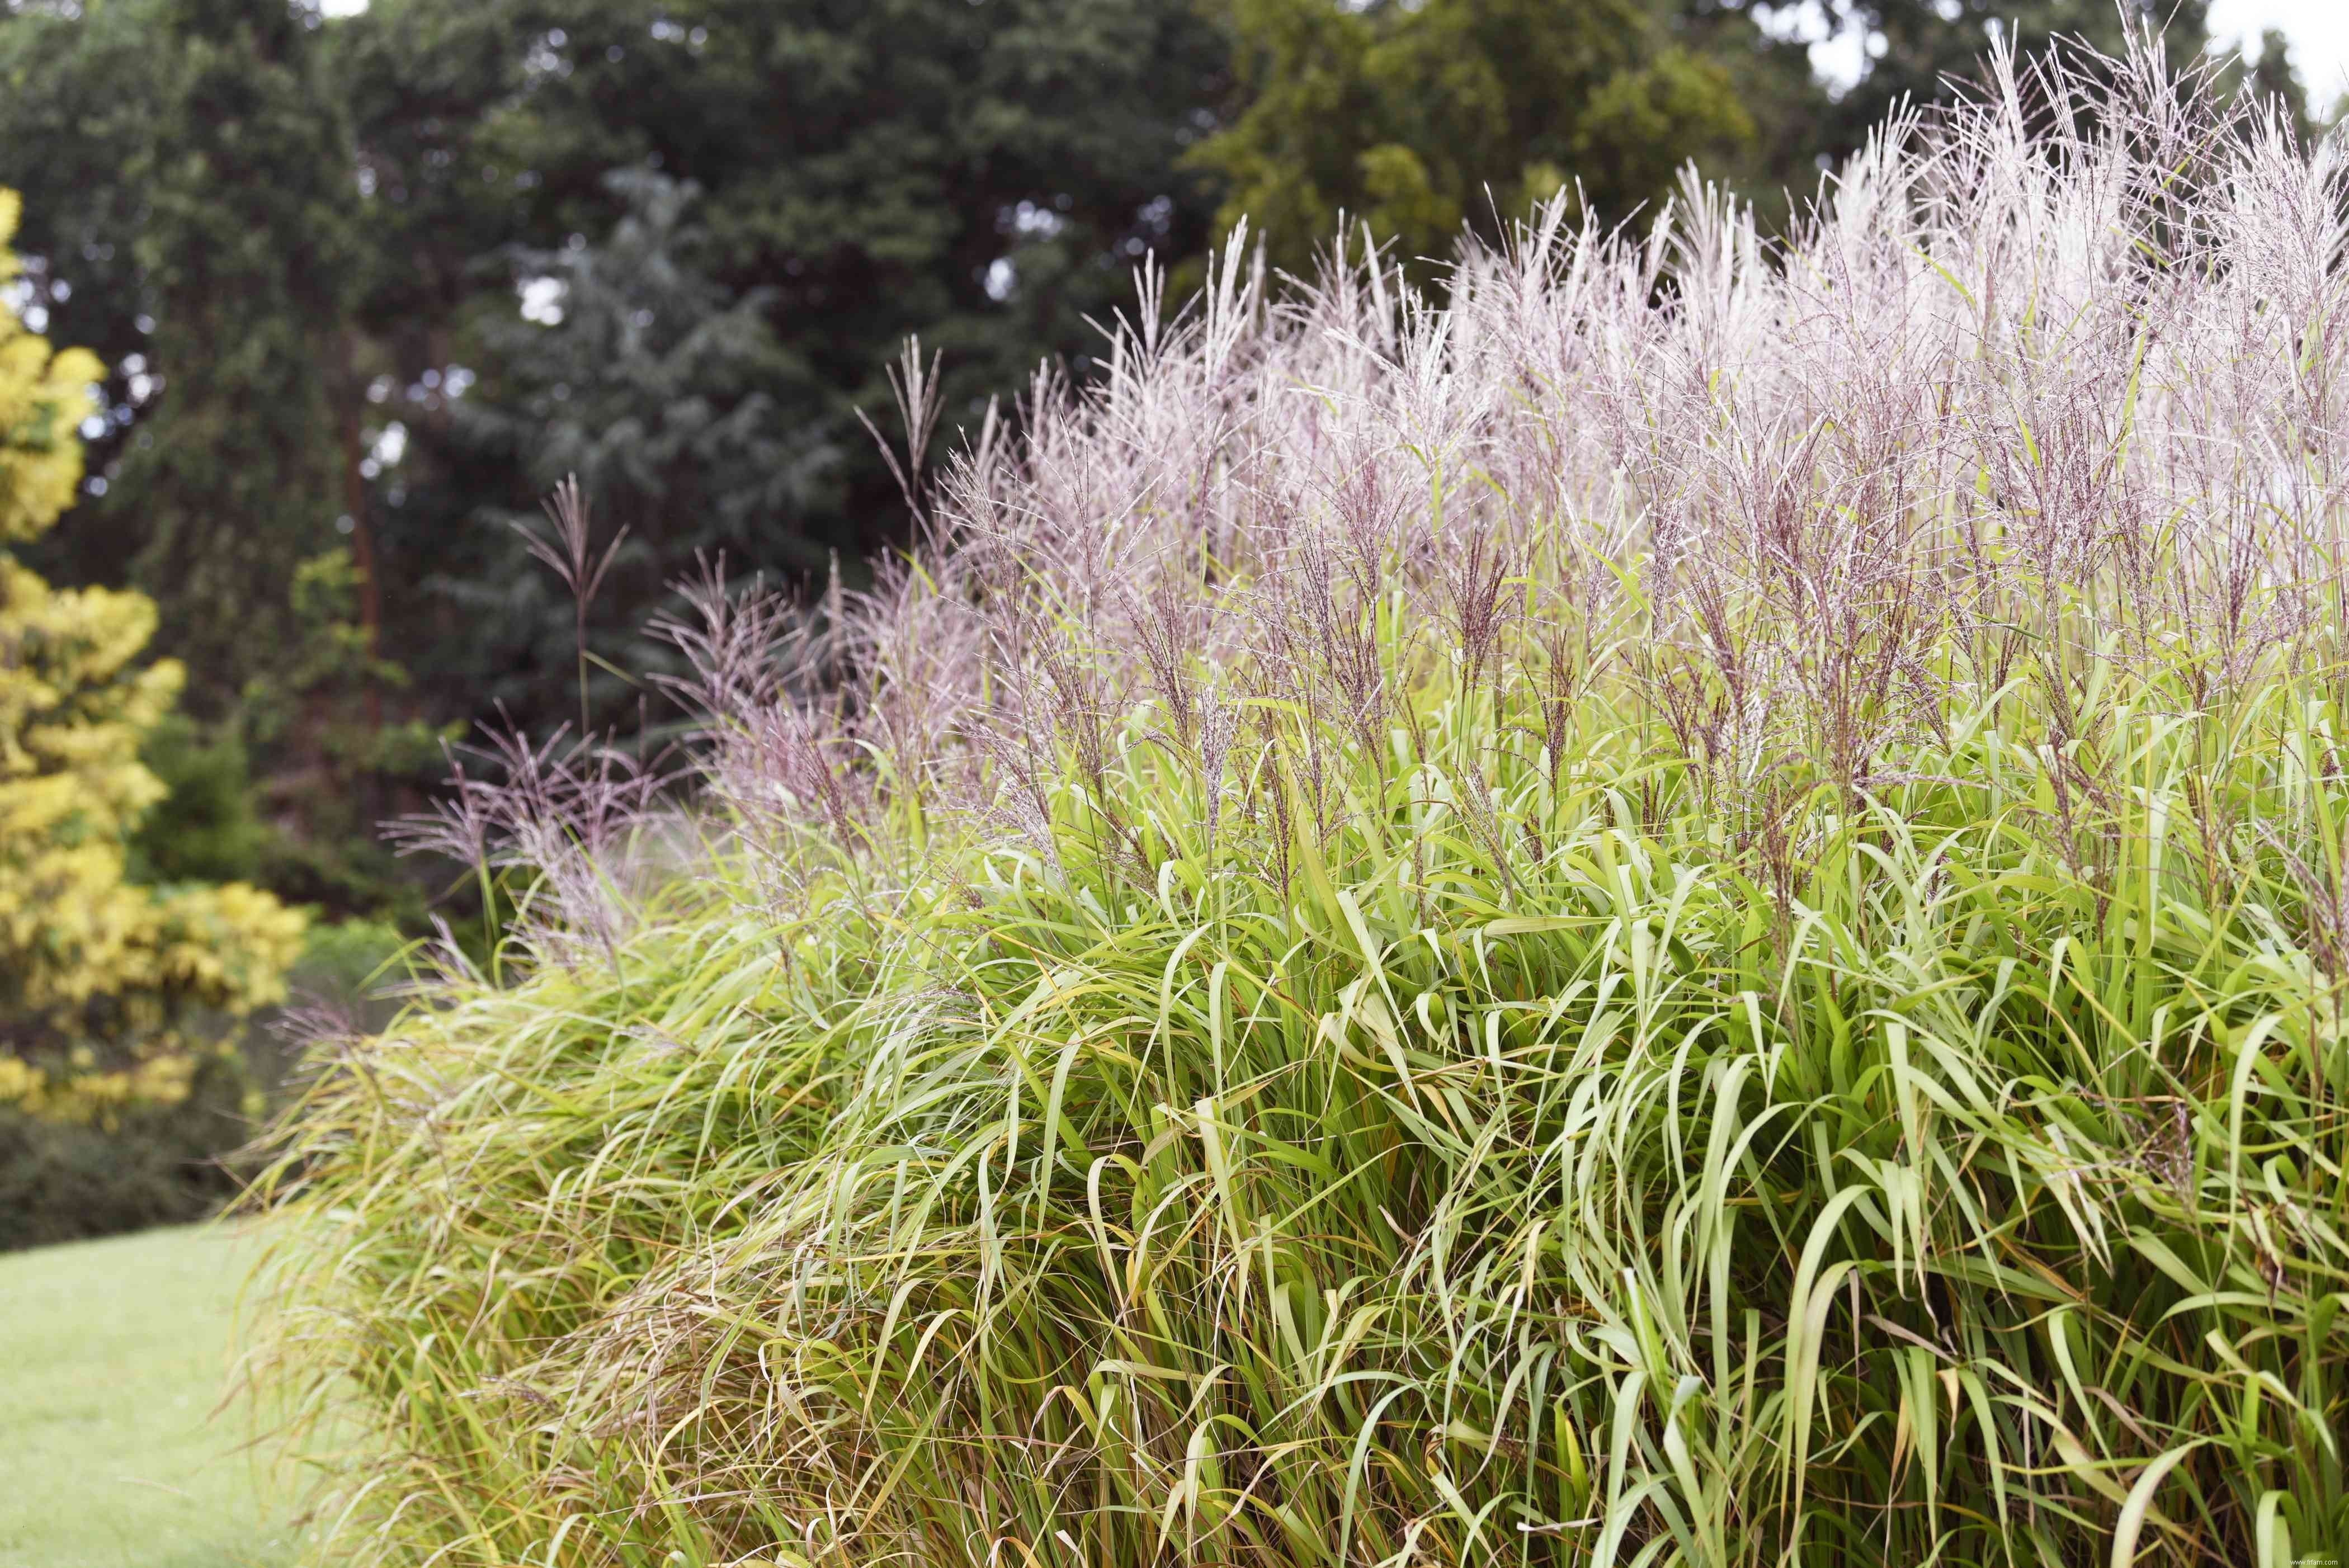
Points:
point(2271, 77)
point(98, 975)
point(1920, 50)
point(238, 478)
point(204, 232)
point(984, 176)
point(81, 90)
point(1417, 118)
point(1778, 168)
point(654, 387)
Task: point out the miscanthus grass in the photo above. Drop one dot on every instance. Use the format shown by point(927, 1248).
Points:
point(1688, 907)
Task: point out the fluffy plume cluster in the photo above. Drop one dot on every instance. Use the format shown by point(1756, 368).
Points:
point(2013, 378)
point(1683, 906)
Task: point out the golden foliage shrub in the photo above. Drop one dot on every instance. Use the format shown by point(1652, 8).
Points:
point(99, 977)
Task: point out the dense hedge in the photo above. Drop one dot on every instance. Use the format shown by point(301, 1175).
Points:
point(151, 1165)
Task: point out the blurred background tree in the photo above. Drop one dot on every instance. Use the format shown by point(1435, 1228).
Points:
point(194, 150)
point(1916, 48)
point(193, 214)
point(1419, 119)
point(246, 248)
point(665, 393)
point(780, 194)
point(2271, 76)
point(107, 984)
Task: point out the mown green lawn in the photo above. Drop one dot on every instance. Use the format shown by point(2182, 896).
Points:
point(111, 1454)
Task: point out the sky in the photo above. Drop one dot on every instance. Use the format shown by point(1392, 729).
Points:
point(2319, 31)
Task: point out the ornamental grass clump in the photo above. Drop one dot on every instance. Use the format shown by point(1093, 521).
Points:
point(1686, 906)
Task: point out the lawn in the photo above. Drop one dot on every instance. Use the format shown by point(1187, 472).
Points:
point(115, 1457)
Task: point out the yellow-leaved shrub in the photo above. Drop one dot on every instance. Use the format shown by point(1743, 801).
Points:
point(99, 975)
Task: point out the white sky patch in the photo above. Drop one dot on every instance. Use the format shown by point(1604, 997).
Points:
point(392, 444)
point(541, 299)
point(1842, 55)
point(387, 451)
point(19, 297)
point(1032, 221)
point(342, 7)
point(1839, 55)
point(2319, 31)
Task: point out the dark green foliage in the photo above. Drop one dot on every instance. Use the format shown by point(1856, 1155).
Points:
point(1778, 168)
point(651, 388)
point(1417, 118)
point(160, 1165)
point(192, 175)
point(1928, 45)
point(984, 176)
point(245, 246)
point(666, 396)
point(344, 965)
point(206, 829)
point(340, 772)
point(344, 764)
point(342, 980)
point(189, 176)
point(79, 96)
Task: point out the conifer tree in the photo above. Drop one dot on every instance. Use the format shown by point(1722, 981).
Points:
point(240, 478)
point(99, 977)
point(1921, 51)
point(1417, 120)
